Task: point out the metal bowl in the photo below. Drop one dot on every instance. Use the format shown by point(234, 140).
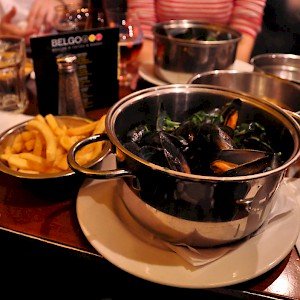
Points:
point(271, 88)
point(183, 48)
point(286, 66)
point(242, 202)
point(54, 186)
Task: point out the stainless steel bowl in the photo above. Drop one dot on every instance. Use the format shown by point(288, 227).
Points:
point(286, 66)
point(271, 88)
point(55, 186)
point(242, 203)
point(183, 48)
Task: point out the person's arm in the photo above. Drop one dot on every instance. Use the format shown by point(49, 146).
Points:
point(42, 13)
point(245, 47)
point(146, 54)
point(247, 18)
point(8, 28)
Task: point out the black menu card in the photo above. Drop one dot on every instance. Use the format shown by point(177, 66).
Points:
point(97, 67)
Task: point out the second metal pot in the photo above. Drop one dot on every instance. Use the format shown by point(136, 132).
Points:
point(265, 86)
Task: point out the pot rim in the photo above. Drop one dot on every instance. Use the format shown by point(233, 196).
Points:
point(271, 56)
point(138, 95)
point(269, 78)
point(187, 24)
point(250, 73)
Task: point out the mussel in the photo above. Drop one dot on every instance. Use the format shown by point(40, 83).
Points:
point(239, 162)
point(209, 143)
point(175, 158)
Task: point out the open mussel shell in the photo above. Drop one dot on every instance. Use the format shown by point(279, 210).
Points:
point(242, 162)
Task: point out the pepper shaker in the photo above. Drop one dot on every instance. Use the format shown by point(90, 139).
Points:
point(69, 97)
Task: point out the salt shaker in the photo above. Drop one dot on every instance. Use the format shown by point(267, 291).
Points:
point(69, 97)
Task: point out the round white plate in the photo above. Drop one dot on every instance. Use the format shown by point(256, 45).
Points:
point(146, 71)
point(110, 229)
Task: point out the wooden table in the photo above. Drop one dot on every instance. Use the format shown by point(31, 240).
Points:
point(42, 245)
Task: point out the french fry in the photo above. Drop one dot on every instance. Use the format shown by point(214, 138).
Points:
point(82, 130)
point(8, 150)
point(28, 135)
point(40, 118)
point(43, 146)
point(51, 121)
point(17, 145)
point(15, 161)
point(100, 128)
point(38, 144)
point(100, 125)
point(51, 141)
point(29, 145)
point(33, 158)
point(28, 171)
point(68, 141)
point(85, 154)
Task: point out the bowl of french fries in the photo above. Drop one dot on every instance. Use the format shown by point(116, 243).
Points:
point(35, 151)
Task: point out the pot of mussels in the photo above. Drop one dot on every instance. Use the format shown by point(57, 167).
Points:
point(202, 163)
point(183, 48)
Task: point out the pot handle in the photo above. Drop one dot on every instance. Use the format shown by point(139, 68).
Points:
point(97, 174)
point(295, 115)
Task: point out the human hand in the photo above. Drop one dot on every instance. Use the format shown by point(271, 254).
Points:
point(42, 15)
point(8, 28)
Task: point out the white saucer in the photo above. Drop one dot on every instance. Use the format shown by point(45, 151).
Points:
point(110, 229)
point(146, 71)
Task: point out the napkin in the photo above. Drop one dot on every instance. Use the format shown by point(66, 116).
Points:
point(9, 119)
point(241, 66)
point(287, 199)
point(294, 186)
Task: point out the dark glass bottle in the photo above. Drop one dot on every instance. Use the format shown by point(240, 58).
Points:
point(69, 97)
point(96, 18)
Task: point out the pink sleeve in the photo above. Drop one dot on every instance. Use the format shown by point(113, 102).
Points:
point(147, 15)
point(247, 16)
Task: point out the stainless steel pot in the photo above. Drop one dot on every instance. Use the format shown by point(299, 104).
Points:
point(285, 66)
point(227, 208)
point(208, 47)
point(271, 88)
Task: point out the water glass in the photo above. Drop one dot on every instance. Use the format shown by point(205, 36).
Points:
point(131, 40)
point(70, 17)
point(13, 93)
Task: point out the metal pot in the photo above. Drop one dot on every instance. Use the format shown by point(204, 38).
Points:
point(242, 202)
point(271, 88)
point(285, 66)
point(208, 47)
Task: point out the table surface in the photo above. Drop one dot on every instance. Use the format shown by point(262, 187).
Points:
point(48, 234)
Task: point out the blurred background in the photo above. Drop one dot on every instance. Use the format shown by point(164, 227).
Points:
point(281, 28)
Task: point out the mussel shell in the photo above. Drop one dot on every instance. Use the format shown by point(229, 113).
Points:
point(240, 156)
point(259, 165)
point(173, 155)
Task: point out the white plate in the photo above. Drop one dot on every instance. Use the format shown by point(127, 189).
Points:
point(114, 234)
point(146, 71)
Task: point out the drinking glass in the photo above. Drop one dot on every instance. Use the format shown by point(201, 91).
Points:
point(70, 17)
point(131, 40)
point(13, 93)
